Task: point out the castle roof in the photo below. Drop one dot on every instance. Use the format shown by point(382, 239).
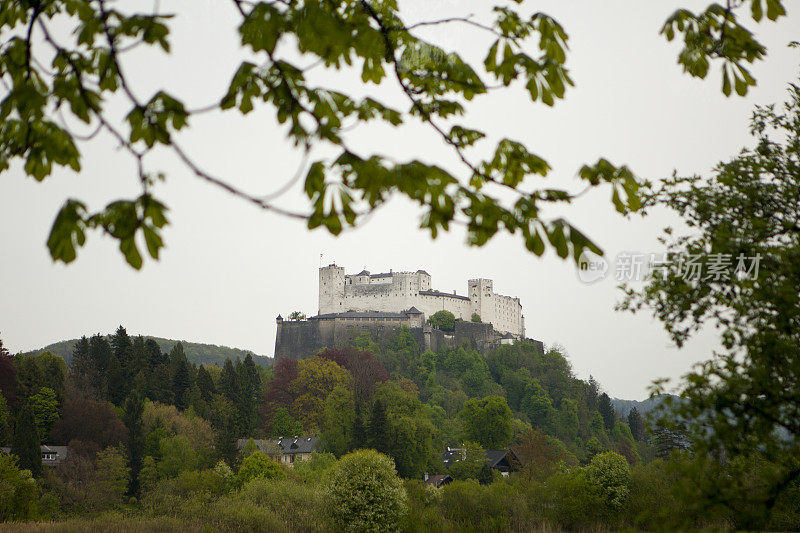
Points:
point(363, 314)
point(363, 273)
point(413, 311)
point(444, 294)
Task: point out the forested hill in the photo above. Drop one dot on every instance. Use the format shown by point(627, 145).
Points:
point(196, 352)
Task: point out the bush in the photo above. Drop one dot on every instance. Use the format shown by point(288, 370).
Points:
point(299, 506)
point(169, 495)
point(258, 465)
point(574, 501)
point(366, 494)
point(18, 491)
point(315, 468)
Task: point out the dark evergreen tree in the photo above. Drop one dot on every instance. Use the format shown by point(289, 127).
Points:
point(118, 383)
point(637, 425)
point(121, 344)
point(160, 389)
point(101, 352)
point(359, 435)
point(25, 443)
point(378, 431)
point(8, 378)
point(229, 383)
point(249, 396)
point(592, 394)
point(82, 361)
point(181, 382)
point(155, 356)
point(485, 474)
point(607, 411)
point(225, 442)
point(205, 384)
point(132, 418)
point(176, 355)
point(140, 358)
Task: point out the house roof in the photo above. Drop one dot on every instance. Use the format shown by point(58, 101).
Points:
point(287, 445)
point(500, 459)
point(60, 451)
point(413, 311)
point(439, 479)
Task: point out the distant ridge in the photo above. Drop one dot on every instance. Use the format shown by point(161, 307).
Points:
point(196, 352)
point(623, 407)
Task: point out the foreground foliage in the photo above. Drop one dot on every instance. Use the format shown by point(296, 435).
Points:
point(48, 76)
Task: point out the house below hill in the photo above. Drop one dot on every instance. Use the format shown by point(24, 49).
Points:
point(287, 450)
point(51, 455)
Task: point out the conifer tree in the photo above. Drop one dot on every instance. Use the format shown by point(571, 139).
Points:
point(155, 356)
point(607, 411)
point(229, 382)
point(5, 421)
point(122, 346)
point(118, 384)
point(205, 384)
point(379, 428)
point(359, 435)
point(636, 423)
point(160, 389)
point(132, 418)
point(25, 444)
point(181, 382)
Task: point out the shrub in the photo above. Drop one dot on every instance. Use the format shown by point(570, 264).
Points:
point(611, 473)
point(18, 491)
point(258, 465)
point(366, 494)
point(300, 507)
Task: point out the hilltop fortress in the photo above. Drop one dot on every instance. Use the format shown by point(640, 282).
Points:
point(380, 304)
point(400, 291)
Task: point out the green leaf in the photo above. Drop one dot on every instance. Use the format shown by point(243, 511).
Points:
point(68, 232)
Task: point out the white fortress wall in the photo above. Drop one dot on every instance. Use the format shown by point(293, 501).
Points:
point(399, 291)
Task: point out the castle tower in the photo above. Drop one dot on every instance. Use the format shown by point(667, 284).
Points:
point(480, 294)
point(331, 289)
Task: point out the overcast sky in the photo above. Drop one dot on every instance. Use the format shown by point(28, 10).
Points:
point(229, 269)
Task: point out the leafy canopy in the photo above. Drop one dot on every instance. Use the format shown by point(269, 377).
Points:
point(54, 80)
point(746, 394)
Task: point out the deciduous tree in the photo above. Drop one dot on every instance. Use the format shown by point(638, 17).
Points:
point(379, 44)
point(366, 494)
point(487, 421)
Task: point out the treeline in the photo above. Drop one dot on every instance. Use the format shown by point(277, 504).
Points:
point(197, 353)
point(152, 441)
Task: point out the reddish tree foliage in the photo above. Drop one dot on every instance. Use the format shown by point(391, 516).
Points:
point(366, 371)
point(89, 421)
point(625, 451)
point(538, 454)
point(278, 394)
